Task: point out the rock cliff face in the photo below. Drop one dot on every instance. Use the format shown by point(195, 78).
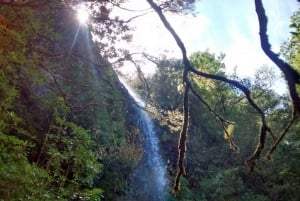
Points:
point(65, 128)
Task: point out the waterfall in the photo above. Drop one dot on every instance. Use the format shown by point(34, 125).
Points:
point(148, 182)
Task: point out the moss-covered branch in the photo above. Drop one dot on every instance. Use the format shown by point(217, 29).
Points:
point(188, 68)
point(291, 75)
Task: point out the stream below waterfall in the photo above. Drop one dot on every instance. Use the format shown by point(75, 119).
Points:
point(148, 182)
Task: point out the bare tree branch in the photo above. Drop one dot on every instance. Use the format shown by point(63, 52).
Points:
point(128, 9)
point(283, 134)
point(179, 42)
point(183, 137)
point(291, 75)
point(188, 68)
point(141, 76)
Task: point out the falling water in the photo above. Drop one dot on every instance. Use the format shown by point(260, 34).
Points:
point(149, 179)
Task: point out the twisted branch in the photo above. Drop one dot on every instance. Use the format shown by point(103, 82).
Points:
point(188, 68)
point(183, 138)
point(291, 75)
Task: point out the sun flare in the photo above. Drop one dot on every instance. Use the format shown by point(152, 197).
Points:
point(82, 14)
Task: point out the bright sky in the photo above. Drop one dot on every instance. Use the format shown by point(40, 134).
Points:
point(228, 26)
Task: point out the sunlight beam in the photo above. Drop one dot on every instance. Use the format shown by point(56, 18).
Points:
point(82, 14)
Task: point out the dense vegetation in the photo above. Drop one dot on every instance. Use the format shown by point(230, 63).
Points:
point(68, 130)
point(215, 168)
point(63, 128)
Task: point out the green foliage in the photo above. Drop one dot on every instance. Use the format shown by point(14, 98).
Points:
point(70, 145)
point(214, 172)
point(18, 178)
point(168, 75)
point(290, 49)
point(62, 119)
point(223, 185)
point(63, 133)
point(208, 62)
point(250, 196)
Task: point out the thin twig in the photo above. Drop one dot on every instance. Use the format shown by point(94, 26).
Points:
point(283, 134)
point(210, 108)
